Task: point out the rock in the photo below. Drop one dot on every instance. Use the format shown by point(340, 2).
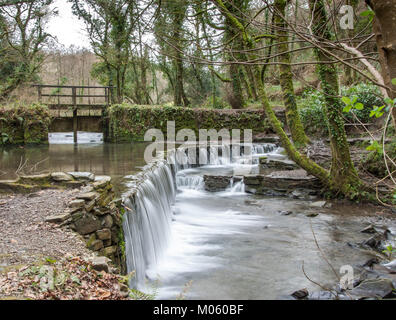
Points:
point(282, 182)
point(85, 176)
point(107, 221)
point(87, 224)
point(216, 183)
point(90, 205)
point(312, 215)
point(61, 177)
point(58, 218)
point(269, 164)
point(322, 295)
point(104, 234)
point(285, 213)
point(369, 229)
point(88, 195)
point(300, 294)
point(374, 242)
point(101, 211)
point(299, 194)
point(96, 245)
point(101, 182)
point(391, 265)
point(373, 288)
point(318, 204)
point(117, 202)
point(100, 264)
point(109, 251)
point(76, 204)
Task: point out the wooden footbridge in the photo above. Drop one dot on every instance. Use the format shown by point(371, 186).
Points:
point(76, 108)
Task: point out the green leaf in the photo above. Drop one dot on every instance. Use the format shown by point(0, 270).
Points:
point(346, 100)
point(394, 81)
point(367, 13)
point(359, 106)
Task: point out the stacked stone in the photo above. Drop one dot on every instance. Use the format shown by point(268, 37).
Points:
point(95, 214)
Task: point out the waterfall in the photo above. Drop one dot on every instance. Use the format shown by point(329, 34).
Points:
point(147, 220)
point(148, 204)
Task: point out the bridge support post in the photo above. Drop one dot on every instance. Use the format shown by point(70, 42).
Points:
point(75, 122)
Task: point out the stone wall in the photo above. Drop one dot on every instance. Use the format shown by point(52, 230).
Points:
point(130, 122)
point(24, 124)
point(94, 213)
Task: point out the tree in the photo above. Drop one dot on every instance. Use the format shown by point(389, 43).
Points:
point(286, 77)
point(384, 27)
point(22, 38)
point(109, 24)
point(169, 32)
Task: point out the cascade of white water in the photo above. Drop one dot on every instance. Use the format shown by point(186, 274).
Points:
point(147, 221)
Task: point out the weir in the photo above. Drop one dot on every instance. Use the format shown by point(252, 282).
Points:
point(149, 212)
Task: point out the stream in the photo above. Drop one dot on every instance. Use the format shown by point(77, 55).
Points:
point(182, 239)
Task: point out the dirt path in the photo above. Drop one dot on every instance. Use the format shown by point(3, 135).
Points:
point(26, 237)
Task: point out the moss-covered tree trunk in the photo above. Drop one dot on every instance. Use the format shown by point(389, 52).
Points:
point(343, 172)
point(233, 38)
point(385, 30)
point(286, 77)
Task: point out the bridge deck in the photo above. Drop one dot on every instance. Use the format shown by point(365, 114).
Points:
point(73, 109)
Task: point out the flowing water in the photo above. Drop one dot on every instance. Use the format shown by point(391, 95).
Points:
point(223, 245)
point(229, 244)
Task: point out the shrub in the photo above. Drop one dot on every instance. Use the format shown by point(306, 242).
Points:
point(312, 104)
point(367, 94)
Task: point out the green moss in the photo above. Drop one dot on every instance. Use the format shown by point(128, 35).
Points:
point(20, 124)
point(130, 122)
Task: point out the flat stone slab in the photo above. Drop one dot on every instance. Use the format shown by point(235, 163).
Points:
point(87, 176)
point(101, 181)
point(58, 218)
point(61, 177)
point(88, 195)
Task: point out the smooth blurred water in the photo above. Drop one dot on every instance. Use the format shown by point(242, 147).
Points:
point(234, 245)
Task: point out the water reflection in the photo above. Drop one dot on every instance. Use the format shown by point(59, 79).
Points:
point(115, 160)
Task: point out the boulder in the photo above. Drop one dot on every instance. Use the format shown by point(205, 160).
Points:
point(100, 264)
point(373, 288)
point(107, 222)
point(87, 224)
point(109, 251)
point(96, 245)
point(61, 177)
point(104, 234)
point(216, 183)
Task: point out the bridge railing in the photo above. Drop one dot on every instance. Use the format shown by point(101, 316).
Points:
point(73, 103)
point(73, 97)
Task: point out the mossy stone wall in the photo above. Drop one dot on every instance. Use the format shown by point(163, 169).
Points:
point(24, 124)
point(130, 122)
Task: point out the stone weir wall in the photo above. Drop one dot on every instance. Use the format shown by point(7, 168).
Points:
point(24, 124)
point(95, 213)
point(130, 122)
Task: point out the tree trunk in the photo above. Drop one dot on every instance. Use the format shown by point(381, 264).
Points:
point(385, 30)
point(286, 77)
point(343, 172)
